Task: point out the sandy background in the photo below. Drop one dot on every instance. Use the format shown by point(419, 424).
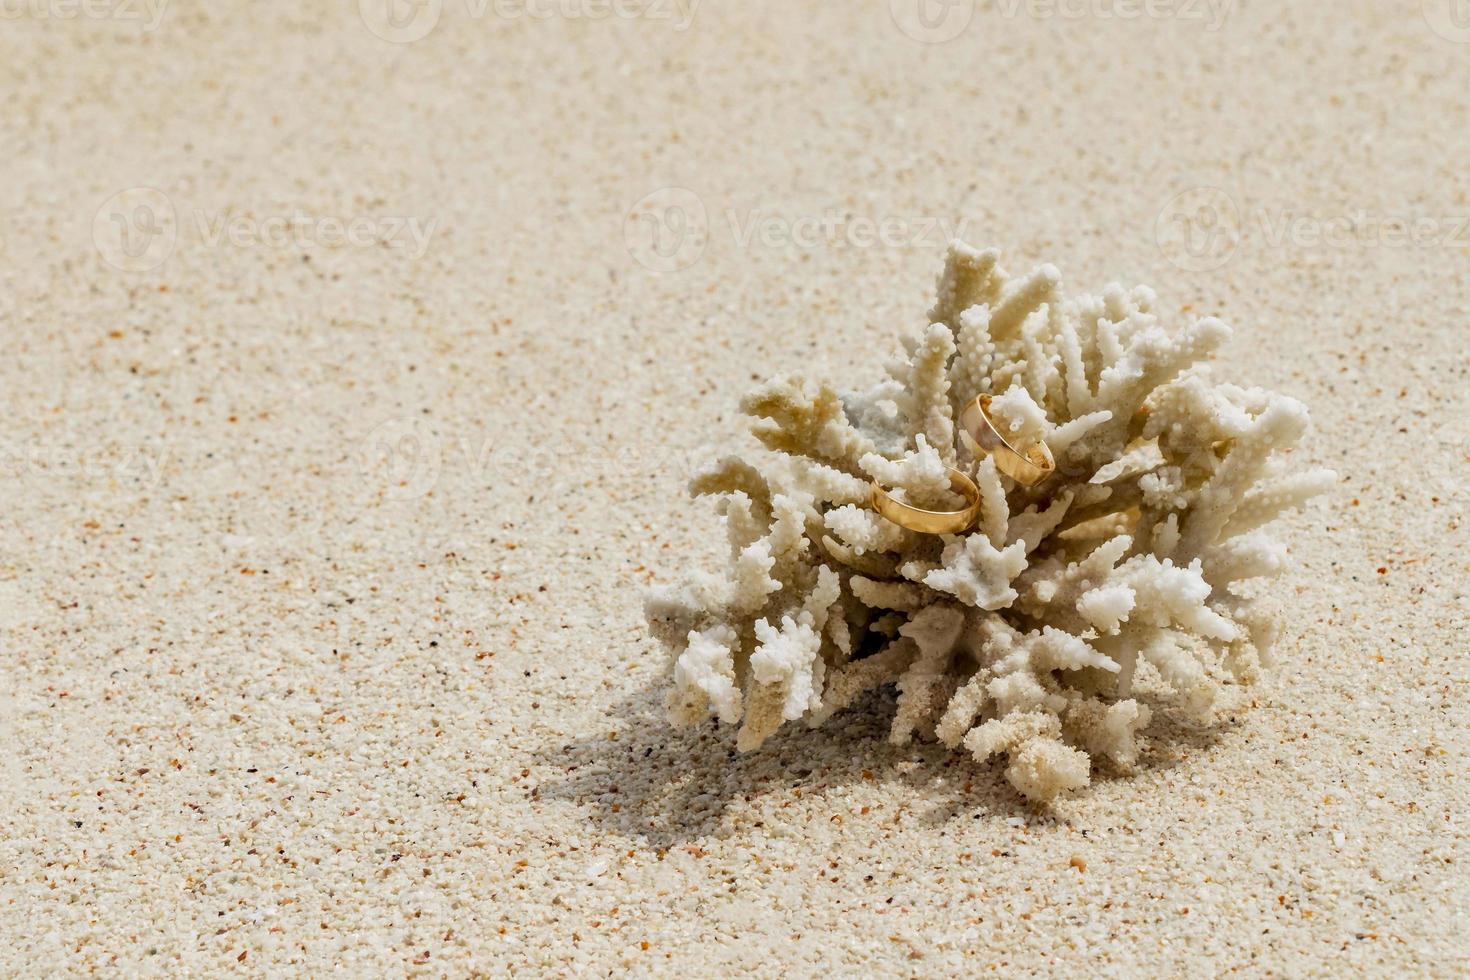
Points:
point(320, 558)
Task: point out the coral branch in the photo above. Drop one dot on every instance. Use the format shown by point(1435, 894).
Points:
point(1040, 633)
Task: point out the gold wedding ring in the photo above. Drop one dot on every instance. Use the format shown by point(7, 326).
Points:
point(932, 521)
point(1028, 468)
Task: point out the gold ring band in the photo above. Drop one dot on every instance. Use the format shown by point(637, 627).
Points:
point(932, 521)
point(1028, 468)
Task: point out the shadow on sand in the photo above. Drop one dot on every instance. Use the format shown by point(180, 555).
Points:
point(643, 779)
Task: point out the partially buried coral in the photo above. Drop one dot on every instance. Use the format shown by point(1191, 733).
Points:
point(1028, 635)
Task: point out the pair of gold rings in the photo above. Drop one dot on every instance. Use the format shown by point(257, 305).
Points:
point(984, 439)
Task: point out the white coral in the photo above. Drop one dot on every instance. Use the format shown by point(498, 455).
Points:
point(1023, 637)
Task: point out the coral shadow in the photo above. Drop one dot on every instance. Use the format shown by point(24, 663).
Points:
point(1172, 741)
point(643, 779)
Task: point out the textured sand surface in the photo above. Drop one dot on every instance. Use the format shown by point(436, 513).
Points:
point(320, 560)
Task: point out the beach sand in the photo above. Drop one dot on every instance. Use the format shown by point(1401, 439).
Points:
point(353, 377)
